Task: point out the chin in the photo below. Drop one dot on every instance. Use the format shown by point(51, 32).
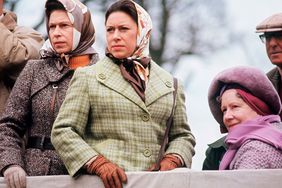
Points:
point(119, 56)
point(60, 51)
point(277, 62)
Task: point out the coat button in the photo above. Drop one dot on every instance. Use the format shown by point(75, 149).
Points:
point(168, 84)
point(102, 76)
point(145, 117)
point(147, 152)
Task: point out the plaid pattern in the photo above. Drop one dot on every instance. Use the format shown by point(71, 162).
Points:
point(102, 114)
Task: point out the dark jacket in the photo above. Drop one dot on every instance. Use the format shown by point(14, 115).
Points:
point(275, 78)
point(31, 110)
point(214, 154)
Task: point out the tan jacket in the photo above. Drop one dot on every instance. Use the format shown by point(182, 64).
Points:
point(17, 45)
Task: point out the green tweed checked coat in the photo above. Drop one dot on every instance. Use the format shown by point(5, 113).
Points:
point(102, 114)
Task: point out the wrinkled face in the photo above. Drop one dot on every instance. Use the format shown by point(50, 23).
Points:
point(60, 31)
point(273, 43)
point(121, 34)
point(234, 109)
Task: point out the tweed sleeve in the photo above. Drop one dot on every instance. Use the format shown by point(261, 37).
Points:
point(15, 118)
point(257, 155)
point(18, 46)
point(69, 127)
point(181, 139)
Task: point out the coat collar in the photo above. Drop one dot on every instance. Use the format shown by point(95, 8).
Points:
point(160, 82)
point(274, 77)
point(46, 73)
point(54, 73)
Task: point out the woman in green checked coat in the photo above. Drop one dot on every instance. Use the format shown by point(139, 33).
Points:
point(114, 115)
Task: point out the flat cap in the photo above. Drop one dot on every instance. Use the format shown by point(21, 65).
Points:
point(248, 77)
point(270, 24)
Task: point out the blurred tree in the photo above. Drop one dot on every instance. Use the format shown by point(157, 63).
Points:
point(183, 27)
point(180, 27)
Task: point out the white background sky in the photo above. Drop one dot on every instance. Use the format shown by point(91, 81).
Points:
point(243, 15)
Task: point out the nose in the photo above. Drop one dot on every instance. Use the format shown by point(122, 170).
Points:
point(57, 31)
point(227, 116)
point(272, 41)
point(116, 34)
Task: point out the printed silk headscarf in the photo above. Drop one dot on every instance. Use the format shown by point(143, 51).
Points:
point(259, 128)
point(83, 32)
point(135, 68)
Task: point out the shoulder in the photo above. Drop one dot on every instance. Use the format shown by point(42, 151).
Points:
point(159, 69)
point(257, 146)
point(25, 30)
point(104, 65)
point(273, 73)
point(218, 143)
point(94, 58)
point(256, 154)
point(35, 64)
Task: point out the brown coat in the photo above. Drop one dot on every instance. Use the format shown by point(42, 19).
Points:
point(29, 111)
point(18, 44)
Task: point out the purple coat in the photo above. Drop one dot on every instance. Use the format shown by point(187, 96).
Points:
point(255, 154)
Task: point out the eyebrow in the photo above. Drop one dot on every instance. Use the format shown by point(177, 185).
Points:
point(60, 22)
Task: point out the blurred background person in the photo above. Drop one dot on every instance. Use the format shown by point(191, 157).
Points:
point(114, 116)
point(39, 92)
point(18, 44)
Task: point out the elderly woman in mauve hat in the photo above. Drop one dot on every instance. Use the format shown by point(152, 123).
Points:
point(270, 30)
point(39, 92)
point(245, 104)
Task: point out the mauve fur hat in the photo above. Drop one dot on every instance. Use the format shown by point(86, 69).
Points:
point(250, 78)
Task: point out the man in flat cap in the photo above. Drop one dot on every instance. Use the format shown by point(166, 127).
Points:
point(271, 29)
point(271, 36)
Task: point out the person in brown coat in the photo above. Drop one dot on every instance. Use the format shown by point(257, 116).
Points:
point(18, 44)
point(39, 92)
